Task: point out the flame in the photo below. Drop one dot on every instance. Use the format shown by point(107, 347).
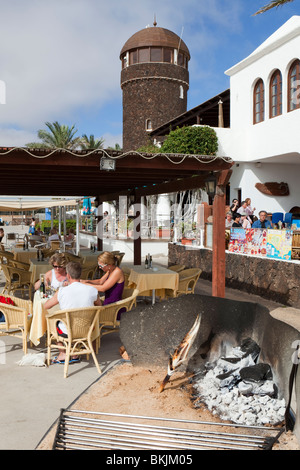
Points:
point(180, 354)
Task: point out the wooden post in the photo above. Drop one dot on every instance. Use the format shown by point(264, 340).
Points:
point(218, 256)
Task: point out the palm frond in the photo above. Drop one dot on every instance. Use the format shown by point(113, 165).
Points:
point(272, 4)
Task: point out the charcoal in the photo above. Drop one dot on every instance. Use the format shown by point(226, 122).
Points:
point(250, 347)
point(256, 373)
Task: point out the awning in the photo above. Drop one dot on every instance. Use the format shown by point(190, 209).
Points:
point(28, 205)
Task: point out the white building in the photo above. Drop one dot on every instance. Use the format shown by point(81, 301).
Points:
point(263, 138)
point(261, 120)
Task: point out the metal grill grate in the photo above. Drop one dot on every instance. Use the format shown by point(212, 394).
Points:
point(81, 430)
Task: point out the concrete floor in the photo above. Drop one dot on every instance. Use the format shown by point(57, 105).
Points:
point(31, 397)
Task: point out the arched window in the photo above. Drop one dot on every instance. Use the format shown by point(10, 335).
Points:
point(294, 86)
point(148, 125)
point(276, 94)
point(181, 92)
point(259, 102)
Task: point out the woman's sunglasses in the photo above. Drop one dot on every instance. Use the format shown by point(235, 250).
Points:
point(102, 265)
point(57, 267)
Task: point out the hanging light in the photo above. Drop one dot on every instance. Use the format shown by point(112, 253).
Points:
point(210, 186)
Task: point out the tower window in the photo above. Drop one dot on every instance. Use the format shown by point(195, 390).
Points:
point(259, 102)
point(168, 56)
point(144, 54)
point(276, 94)
point(156, 54)
point(294, 86)
point(148, 125)
point(181, 92)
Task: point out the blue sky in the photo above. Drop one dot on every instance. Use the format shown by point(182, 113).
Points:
point(59, 59)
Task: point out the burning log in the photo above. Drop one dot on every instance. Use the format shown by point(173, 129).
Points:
point(181, 352)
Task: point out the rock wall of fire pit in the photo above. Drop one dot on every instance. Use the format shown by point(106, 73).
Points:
point(150, 335)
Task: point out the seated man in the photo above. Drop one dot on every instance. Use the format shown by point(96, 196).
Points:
point(262, 222)
point(75, 295)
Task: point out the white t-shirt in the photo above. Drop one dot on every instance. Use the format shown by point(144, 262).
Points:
point(76, 295)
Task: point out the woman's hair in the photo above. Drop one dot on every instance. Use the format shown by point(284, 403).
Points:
point(107, 258)
point(59, 259)
point(247, 200)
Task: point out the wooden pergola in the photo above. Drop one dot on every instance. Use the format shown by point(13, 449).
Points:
point(59, 172)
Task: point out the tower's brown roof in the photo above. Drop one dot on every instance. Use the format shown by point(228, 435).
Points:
point(154, 36)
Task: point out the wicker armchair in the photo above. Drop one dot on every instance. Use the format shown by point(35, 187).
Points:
point(16, 279)
point(19, 264)
point(6, 256)
point(177, 267)
point(108, 313)
point(126, 272)
point(80, 324)
point(17, 319)
point(71, 257)
point(119, 257)
point(188, 279)
point(55, 245)
point(89, 271)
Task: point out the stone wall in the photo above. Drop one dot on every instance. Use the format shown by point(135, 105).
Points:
point(271, 279)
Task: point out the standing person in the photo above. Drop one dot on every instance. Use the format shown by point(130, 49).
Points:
point(75, 295)
point(249, 210)
point(234, 206)
point(32, 226)
point(262, 222)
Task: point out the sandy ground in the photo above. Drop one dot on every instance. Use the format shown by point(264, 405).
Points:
point(128, 389)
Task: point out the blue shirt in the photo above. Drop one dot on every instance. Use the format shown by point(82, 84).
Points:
point(257, 224)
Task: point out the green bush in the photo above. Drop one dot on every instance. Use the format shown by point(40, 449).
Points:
point(46, 225)
point(191, 140)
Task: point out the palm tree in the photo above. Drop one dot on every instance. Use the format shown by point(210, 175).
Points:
point(272, 4)
point(90, 142)
point(58, 136)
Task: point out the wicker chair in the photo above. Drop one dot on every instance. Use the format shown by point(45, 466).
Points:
point(19, 264)
point(6, 256)
point(16, 279)
point(80, 324)
point(126, 272)
point(17, 319)
point(71, 257)
point(108, 313)
point(55, 245)
point(119, 257)
point(177, 267)
point(89, 271)
point(188, 279)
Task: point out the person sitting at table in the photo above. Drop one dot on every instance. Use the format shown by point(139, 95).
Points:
point(75, 295)
point(262, 222)
point(56, 277)
point(70, 235)
point(113, 280)
point(53, 235)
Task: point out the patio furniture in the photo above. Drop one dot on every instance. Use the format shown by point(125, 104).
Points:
point(187, 281)
point(177, 267)
point(16, 279)
point(17, 319)
point(80, 324)
point(108, 314)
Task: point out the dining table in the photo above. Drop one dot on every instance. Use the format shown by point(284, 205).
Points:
point(25, 256)
point(153, 281)
point(39, 323)
point(38, 267)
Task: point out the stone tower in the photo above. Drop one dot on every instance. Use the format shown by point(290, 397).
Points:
point(154, 81)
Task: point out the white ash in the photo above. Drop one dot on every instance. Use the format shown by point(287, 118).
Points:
point(246, 402)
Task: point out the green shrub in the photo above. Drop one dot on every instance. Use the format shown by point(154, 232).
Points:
point(46, 225)
point(191, 140)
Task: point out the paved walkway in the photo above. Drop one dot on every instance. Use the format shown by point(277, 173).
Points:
point(31, 397)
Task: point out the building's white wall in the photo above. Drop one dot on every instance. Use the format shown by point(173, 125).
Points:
point(272, 137)
point(246, 175)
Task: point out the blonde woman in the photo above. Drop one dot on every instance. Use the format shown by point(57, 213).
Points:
point(112, 282)
point(57, 276)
